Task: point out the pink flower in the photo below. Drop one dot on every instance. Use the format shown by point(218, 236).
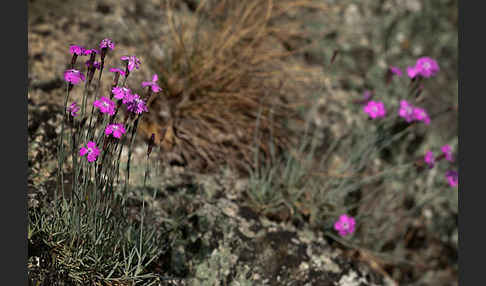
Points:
point(153, 84)
point(73, 76)
point(121, 92)
point(452, 177)
point(421, 115)
point(116, 129)
point(345, 225)
point(75, 49)
point(117, 70)
point(430, 159)
point(427, 67)
point(375, 109)
point(107, 43)
point(137, 105)
point(90, 51)
point(73, 109)
point(105, 105)
point(396, 71)
point(133, 62)
point(447, 150)
point(406, 111)
point(91, 150)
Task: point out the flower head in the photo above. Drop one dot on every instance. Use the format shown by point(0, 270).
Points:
point(406, 111)
point(105, 105)
point(75, 49)
point(116, 129)
point(153, 84)
point(421, 115)
point(452, 177)
point(121, 92)
point(447, 150)
point(375, 109)
point(117, 70)
point(345, 225)
point(91, 150)
point(107, 43)
point(73, 109)
point(396, 71)
point(73, 76)
point(430, 159)
point(136, 105)
point(133, 62)
point(90, 51)
point(427, 67)
point(412, 72)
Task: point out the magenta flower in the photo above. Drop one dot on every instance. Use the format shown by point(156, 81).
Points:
point(427, 67)
point(107, 43)
point(406, 111)
point(137, 105)
point(421, 115)
point(375, 109)
point(75, 49)
point(133, 62)
point(153, 84)
point(73, 76)
point(97, 65)
point(345, 225)
point(117, 70)
point(452, 177)
point(121, 92)
point(116, 129)
point(90, 51)
point(430, 159)
point(105, 105)
point(396, 71)
point(447, 150)
point(73, 109)
point(91, 150)
point(412, 72)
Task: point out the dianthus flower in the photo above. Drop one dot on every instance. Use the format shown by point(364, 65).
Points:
point(73, 109)
point(427, 67)
point(406, 111)
point(153, 84)
point(105, 105)
point(121, 92)
point(452, 178)
point(447, 150)
point(137, 105)
point(91, 150)
point(73, 76)
point(375, 109)
point(116, 129)
point(345, 225)
point(107, 43)
point(117, 70)
point(412, 72)
point(133, 62)
point(421, 115)
point(75, 49)
point(430, 159)
point(396, 71)
point(90, 51)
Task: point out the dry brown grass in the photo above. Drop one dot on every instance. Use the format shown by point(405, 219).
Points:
point(227, 69)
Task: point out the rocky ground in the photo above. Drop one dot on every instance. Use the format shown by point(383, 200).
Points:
point(242, 245)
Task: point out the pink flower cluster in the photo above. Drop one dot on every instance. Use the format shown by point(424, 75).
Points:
point(425, 67)
point(412, 113)
point(90, 150)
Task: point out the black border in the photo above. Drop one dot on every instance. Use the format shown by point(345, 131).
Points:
point(14, 143)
